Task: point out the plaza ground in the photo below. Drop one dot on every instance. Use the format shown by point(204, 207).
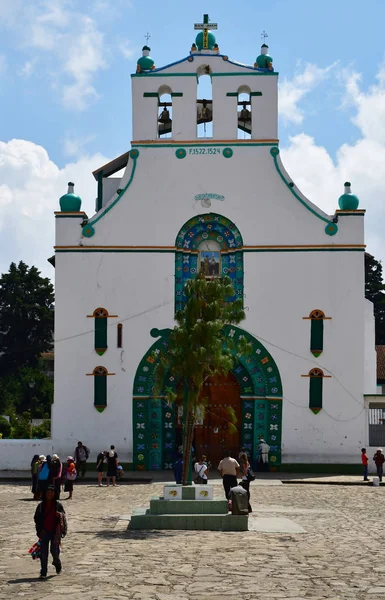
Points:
point(339, 554)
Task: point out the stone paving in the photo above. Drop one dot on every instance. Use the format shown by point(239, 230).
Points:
point(340, 554)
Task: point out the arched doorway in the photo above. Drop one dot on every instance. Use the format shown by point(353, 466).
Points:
point(155, 422)
point(218, 427)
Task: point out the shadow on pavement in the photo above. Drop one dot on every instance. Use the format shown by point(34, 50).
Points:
point(136, 534)
point(27, 579)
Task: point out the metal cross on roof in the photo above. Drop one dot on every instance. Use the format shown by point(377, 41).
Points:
point(147, 37)
point(205, 26)
point(264, 36)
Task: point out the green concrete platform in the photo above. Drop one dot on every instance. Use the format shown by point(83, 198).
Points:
point(159, 506)
point(143, 519)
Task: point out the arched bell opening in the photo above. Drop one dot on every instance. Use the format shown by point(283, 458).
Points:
point(204, 103)
point(164, 112)
point(244, 112)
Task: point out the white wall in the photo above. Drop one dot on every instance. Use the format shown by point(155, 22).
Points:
point(17, 454)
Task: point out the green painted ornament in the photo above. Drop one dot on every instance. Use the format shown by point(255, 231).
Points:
point(70, 202)
point(348, 201)
point(145, 62)
point(211, 40)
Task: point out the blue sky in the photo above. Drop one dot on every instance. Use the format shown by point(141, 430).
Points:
point(65, 70)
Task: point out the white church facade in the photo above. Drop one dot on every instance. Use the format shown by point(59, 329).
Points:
point(203, 182)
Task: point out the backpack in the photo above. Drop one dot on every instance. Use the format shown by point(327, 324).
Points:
point(43, 473)
point(250, 474)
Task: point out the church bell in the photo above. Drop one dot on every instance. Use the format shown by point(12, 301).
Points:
point(204, 112)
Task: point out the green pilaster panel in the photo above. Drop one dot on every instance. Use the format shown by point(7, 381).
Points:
point(100, 392)
point(248, 424)
point(155, 434)
point(100, 335)
point(315, 394)
point(168, 433)
point(140, 434)
point(317, 337)
point(260, 424)
point(274, 431)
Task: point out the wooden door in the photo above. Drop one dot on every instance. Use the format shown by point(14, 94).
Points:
point(219, 427)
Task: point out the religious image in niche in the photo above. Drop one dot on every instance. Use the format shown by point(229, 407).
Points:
point(210, 263)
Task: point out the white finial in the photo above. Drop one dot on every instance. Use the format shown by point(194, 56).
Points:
point(71, 187)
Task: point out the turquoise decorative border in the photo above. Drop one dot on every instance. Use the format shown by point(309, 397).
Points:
point(209, 226)
point(331, 228)
point(88, 229)
point(154, 420)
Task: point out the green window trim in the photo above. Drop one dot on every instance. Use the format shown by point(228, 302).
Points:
point(100, 388)
point(317, 337)
point(315, 394)
point(100, 335)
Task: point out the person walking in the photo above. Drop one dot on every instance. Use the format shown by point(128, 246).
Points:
point(229, 470)
point(100, 466)
point(51, 526)
point(201, 471)
point(379, 459)
point(43, 474)
point(365, 462)
point(70, 476)
point(81, 455)
point(112, 466)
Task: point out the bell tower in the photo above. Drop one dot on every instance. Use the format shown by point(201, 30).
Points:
point(238, 101)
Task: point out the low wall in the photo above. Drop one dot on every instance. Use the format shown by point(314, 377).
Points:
point(17, 454)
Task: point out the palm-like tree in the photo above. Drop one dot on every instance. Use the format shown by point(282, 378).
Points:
point(196, 349)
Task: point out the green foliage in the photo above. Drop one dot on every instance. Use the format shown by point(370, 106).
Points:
point(375, 292)
point(28, 389)
point(5, 428)
point(196, 346)
point(42, 431)
point(26, 317)
point(21, 426)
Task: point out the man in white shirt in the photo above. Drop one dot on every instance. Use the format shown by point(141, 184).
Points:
point(229, 470)
point(264, 450)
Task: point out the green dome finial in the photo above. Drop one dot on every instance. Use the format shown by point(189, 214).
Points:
point(264, 60)
point(145, 62)
point(205, 40)
point(348, 201)
point(70, 202)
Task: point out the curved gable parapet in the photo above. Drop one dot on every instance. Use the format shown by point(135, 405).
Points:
point(192, 57)
point(331, 227)
point(89, 227)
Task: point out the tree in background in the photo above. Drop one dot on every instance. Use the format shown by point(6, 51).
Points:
point(26, 317)
point(196, 349)
point(374, 291)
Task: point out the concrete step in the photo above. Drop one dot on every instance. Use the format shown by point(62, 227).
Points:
point(183, 522)
point(159, 506)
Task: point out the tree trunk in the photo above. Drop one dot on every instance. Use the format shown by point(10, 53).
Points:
point(187, 443)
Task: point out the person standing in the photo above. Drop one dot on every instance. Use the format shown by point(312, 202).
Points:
point(229, 470)
point(70, 476)
point(51, 526)
point(365, 462)
point(112, 466)
point(34, 469)
point(202, 470)
point(100, 466)
point(244, 472)
point(43, 475)
point(379, 459)
point(264, 450)
point(56, 470)
point(81, 455)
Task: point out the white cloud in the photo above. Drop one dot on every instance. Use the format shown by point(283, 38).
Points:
point(71, 43)
point(74, 145)
point(31, 185)
point(127, 50)
point(292, 91)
